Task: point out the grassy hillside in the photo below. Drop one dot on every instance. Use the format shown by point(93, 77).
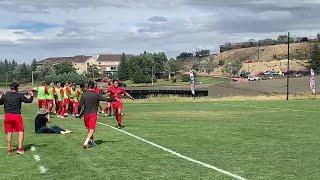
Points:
point(262, 59)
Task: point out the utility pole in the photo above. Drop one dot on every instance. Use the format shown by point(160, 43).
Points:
point(288, 66)
point(7, 79)
point(32, 82)
point(152, 74)
point(258, 52)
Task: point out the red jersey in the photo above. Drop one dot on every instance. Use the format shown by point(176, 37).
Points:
point(97, 90)
point(116, 92)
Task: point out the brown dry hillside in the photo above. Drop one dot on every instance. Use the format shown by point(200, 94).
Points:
point(268, 58)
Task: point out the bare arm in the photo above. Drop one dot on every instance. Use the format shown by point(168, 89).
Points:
point(128, 95)
point(1, 98)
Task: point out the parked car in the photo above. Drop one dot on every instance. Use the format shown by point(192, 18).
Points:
point(253, 78)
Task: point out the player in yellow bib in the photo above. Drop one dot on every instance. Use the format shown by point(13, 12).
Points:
point(42, 92)
point(50, 97)
point(75, 98)
point(60, 100)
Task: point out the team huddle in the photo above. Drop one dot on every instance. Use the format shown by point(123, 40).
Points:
point(67, 99)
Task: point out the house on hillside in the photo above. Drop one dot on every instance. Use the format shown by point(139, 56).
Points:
point(109, 63)
point(81, 63)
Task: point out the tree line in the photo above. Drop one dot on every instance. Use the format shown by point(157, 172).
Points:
point(146, 67)
point(12, 71)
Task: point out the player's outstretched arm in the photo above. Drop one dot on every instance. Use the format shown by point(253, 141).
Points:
point(128, 95)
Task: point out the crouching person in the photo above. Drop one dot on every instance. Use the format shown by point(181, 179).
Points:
point(40, 124)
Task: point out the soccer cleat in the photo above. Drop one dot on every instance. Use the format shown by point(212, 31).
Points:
point(20, 151)
point(92, 143)
point(63, 132)
point(67, 131)
point(9, 151)
point(85, 146)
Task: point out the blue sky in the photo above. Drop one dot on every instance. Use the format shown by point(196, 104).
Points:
point(40, 29)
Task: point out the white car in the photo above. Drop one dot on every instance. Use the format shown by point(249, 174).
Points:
point(254, 78)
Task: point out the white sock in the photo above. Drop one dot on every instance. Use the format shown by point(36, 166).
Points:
point(87, 141)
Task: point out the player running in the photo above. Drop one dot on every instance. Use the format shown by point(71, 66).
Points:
point(108, 108)
point(89, 104)
point(13, 121)
point(42, 93)
point(50, 97)
point(74, 98)
point(117, 93)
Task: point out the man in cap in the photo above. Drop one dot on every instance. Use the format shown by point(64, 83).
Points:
point(89, 104)
point(13, 121)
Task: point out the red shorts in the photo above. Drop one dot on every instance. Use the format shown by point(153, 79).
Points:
point(116, 105)
point(13, 123)
point(42, 103)
point(90, 121)
point(66, 101)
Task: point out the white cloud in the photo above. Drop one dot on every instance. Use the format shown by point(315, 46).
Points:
point(133, 26)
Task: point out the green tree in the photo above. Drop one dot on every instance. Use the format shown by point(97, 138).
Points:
point(232, 68)
point(93, 71)
point(45, 70)
point(209, 66)
point(314, 62)
point(34, 65)
point(64, 68)
point(124, 68)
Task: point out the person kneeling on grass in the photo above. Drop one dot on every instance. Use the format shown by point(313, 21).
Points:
point(40, 124)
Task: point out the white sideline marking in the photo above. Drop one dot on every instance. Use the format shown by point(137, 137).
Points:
point(33, 148)
point(177, 154)
point(36, 157)
point(42, 169)
point(270, 108)
point(3, 147)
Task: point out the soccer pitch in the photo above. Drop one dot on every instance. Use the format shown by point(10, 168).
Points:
point(254, 140)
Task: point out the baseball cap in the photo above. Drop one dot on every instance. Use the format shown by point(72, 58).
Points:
point(14, 85)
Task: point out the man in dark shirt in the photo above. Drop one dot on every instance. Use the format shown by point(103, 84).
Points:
point(40, 124)
point(13, 121)
point(89, 104)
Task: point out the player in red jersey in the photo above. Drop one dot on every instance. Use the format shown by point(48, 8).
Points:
point(108, 108)
point(116, 93)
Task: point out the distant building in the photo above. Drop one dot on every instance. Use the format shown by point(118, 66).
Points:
point(109, 63)
point(81, 63)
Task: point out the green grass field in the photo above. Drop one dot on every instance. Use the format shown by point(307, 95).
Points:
point(255, 140)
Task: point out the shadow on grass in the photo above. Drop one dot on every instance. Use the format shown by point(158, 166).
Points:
point(28, 146)
point(99, 142)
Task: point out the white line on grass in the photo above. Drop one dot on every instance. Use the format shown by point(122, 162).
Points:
point(268, 108)
point(177, 154)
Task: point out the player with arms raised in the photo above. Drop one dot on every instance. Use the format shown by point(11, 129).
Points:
point(117, 93)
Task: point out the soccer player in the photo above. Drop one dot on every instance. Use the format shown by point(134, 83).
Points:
point(75, 97)
point(42, 93)
point(13, 121)
point(98, 90)
point(50, 97)
point(108, 108)
point(66, 99)
point(60, 100)
point(89, 104)
point(117, 93)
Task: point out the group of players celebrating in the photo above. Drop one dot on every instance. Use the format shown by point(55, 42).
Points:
point(82, 101)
